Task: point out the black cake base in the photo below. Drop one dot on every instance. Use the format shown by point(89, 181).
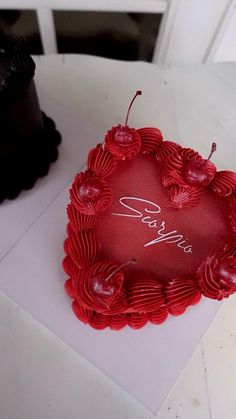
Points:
point(29, 160)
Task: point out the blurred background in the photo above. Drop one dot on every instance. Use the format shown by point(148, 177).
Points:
point(125, 36)
point(161, 31)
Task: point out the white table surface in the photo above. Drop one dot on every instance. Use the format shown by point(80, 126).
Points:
point(40, 377)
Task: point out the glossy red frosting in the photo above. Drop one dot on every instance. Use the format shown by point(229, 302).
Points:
point(79, 221)
point(118, 322)
point(212, 275)
point(70, 267)
point(123, 142)
point(180, 294)
point(82, 247)
point(83, 314)
point(101, 162)
point(224, 183)
point(96, 289)
point(90, 194)
point(166, 149)
point(158, 316)
point(109, 225)
point(151, 139)
point(145, 295)
point(182, 193)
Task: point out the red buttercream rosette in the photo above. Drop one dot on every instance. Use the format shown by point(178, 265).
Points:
point(70, 267)
point(79, 221)
point(100, 288)
point(158, 316)
point(90, 194)
point(69, 289)
point(182, 192)
point(137, 320)
point(70, 230)
point(184, 196)
point(151, 139)
point(224, 183)
point(83, 314)
point(71, 285)
point(217, 274)
point(82, 248)
point(180, 293)
point(101, 162)
point(99, 321)
point(166, 149)
point(173, 171)
point(145, 295)
point(123, 142)
point(118, 322)
point(119, 306)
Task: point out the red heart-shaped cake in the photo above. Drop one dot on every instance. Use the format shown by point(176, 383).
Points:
point(151, 229)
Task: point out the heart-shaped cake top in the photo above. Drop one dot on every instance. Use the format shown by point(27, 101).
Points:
point(151, 229)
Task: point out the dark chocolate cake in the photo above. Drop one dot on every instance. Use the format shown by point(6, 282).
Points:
point(28, 138)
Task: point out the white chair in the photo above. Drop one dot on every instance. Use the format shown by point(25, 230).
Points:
point(191, 30)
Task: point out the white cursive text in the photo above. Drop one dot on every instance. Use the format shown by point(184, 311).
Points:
point(131, 203)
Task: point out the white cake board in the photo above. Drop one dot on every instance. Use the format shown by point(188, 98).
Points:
point(146, 362)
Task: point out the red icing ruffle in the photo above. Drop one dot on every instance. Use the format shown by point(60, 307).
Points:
point(66, 241)
point(181, 293)
point(136, 320)
point(90, 194)
point(189, 154)
point(101, 162)
point(82, 248)
point(69, 266)
point(224, 183)
point(70, 230)
point(99, 321)
point(158, 316)
point(79, 221)
point(123, 142)
point(166, 149)
point(210, 279)
point(120, 305)
point(145, 295)
point(69, 289)
point(182, 194)
point(172, 173)
point(82, 313)
point(151, 138)
point(118, 322)
point(100, 287)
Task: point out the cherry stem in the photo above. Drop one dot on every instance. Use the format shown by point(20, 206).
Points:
point(133, 260)
point(213, 149)
point(138, 93)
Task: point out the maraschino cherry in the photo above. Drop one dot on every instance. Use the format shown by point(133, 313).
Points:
point(226, 272)
point(103, 285)
point(122, 141)
point(89, 190)
point(124, 134)
point(196, 172)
